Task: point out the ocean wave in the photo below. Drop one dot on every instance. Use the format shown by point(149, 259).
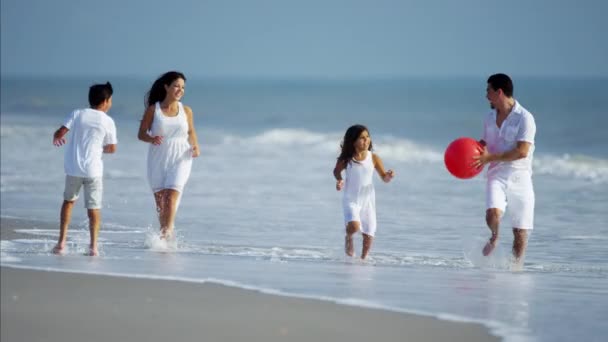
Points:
point(576, 166)
point(279, 139)
point(287, 141)
point(24, 131)
point(585, 237)
point(599, 270)
point(122, 174)
point(407, 151)
point(404, 150)
point(391, 148)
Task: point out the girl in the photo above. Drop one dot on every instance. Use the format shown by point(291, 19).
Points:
point(169, 128)
point(359, 201)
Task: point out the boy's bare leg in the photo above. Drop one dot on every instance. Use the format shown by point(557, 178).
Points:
point(94, 224)
point(351, 228)
point(65, 218)
point(367, 245)
point(493, 216)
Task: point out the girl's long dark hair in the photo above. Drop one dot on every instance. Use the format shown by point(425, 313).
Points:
point(157, 93)
point(348, 143)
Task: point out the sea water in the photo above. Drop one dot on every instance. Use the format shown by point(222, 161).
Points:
point(260, 210)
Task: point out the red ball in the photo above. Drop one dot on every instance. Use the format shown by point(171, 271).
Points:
point(459, 155)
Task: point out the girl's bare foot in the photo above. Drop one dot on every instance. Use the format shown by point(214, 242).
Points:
point(93, 252)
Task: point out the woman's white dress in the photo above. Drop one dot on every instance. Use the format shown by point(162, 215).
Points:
point(170, 163)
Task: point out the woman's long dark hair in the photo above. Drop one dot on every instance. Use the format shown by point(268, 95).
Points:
point(158, 93)
point(348, 143)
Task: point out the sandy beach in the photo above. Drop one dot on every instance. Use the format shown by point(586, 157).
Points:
point(53, 306)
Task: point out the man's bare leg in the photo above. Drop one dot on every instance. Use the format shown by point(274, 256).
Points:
point(520, 242)
point(351, 228)
point(493, 216)
point(65, 218)
point(94, 224)
point(367, 244)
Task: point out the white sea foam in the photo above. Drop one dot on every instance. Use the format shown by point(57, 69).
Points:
point(6, 258)
point(123, 174)
point(7, 245)
point(389, 147)
point(154, 242)
point(278, 140)
point(39, 232)
point(404, 150)
point(23, 131)
point(585, 237)
point(576, 166)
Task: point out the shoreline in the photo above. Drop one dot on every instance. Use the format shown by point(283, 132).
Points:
point(56, 305)
point(9, 225)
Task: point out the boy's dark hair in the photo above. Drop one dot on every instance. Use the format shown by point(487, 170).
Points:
point(348, 144)
point(98, 93)
point(503, 82)
point(157, 92)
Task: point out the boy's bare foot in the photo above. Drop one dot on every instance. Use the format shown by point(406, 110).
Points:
point(489, 247)
point(348, 245)
point(93, 252)
point(58, 250)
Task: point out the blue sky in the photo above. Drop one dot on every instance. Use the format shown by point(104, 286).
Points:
point(304, 39)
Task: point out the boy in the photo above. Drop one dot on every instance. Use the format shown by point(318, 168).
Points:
point(93, 133)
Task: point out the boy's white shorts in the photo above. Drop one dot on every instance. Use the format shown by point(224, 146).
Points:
point(93, 189)
point(515, 191)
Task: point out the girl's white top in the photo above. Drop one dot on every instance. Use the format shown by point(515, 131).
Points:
point(358, 185)
point(169, 163)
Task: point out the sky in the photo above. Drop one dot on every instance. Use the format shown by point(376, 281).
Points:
point(319, 39)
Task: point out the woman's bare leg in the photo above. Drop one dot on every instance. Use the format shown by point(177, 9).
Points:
point(166, 206)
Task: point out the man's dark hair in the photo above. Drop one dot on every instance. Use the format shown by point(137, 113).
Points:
point(98, 93)
point(503, 82)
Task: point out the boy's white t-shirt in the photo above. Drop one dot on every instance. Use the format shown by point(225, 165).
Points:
point(91, 130)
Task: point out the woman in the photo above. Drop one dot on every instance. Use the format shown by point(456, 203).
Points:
point(169, 128)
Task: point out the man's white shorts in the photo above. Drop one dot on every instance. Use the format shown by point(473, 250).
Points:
point(93, 189)
point(365, 215)
point(515, 191)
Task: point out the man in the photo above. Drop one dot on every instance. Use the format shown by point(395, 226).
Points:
point(93, 133)
point(508, 140)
